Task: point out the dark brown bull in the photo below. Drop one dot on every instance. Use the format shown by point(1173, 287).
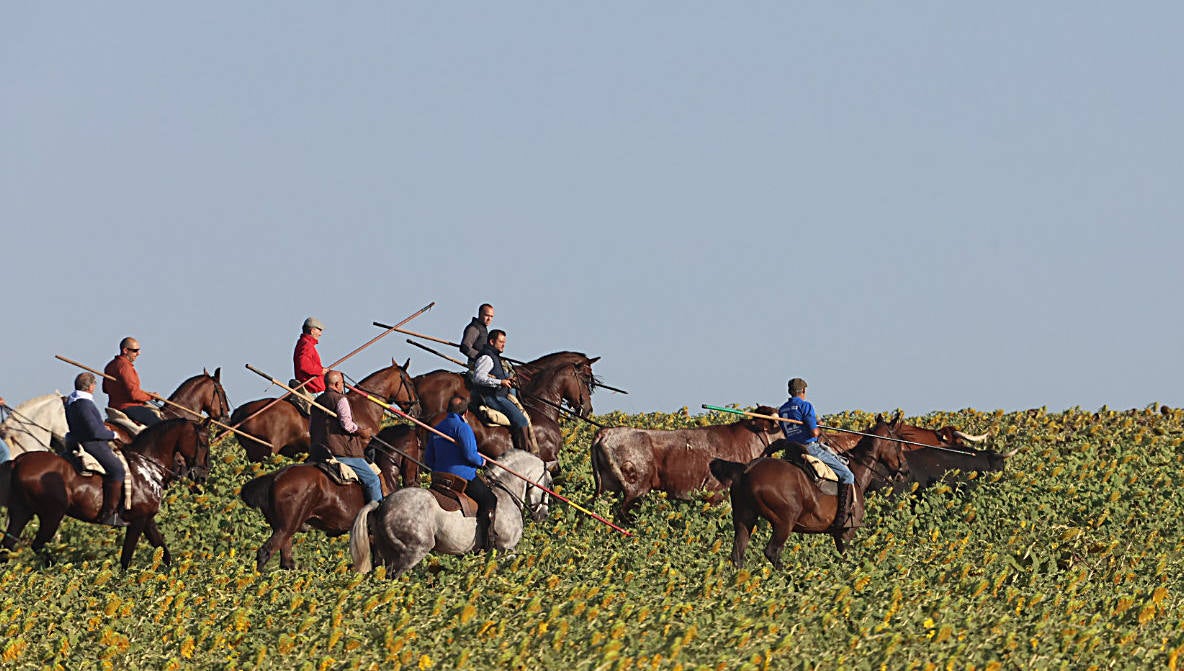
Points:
point(930, 465)
point(947, 436)
point(634, 462)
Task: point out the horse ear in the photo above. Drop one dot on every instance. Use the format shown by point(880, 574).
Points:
point(880, 418)
point(407, 364)
point(218, 374)
point(205, 371)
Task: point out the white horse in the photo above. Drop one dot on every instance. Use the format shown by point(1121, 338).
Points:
point(31, 425)
point(409, 523)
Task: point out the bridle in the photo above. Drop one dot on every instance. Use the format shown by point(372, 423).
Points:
point(391, 398)
point(521, 502)
point(22, 426)
point(873, 464)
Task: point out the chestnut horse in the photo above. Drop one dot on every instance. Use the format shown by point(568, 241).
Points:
point(436, 387)
point(200, 393)
point(286, 428)
point(46, 485)
point(782, 493)
point(300, 496)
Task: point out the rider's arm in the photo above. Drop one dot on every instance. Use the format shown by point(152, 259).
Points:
point(481, 374)
point(94, 423)
point(468, 342)
point(345, 415)
point(468, 442)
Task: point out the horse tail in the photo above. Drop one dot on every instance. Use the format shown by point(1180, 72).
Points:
point(5, 481)
point(257, 492)
point(727, 472)
point(359, 539)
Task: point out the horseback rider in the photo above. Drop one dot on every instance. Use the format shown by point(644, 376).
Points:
point(306, 362)
point(476, 334)
point(124, 393)
point(492, 383)
point(89, 432)
point(340, 436)
point(806, 434)
point(461, 459)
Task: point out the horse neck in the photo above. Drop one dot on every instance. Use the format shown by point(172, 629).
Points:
point(860, 458)
point(191, 394)
point(389, 381)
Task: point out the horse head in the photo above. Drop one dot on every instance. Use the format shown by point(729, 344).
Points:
point(575, 389)
point(201, 393)
point(396, 386)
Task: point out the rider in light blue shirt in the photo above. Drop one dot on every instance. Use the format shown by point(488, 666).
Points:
point(806, 434)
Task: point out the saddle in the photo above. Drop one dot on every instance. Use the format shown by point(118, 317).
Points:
point(820, 474)
point(86, 464)
point(338, 472)
point(449, 491)
point(491, 417)
point(298, 399)
point(118, 418)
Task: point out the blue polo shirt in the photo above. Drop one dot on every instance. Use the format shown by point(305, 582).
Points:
point(803, 411)
point(459, 458)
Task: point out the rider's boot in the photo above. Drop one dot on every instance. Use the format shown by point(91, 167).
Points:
point(519, 436)
point(842, 505)
point(486, 537)
point(109, 512)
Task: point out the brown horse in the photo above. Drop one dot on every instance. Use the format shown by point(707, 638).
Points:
point(537, 377)
point(301, 496)
point(548, 388)
point(46, 485)
point(200, 393)
point(782, 493)
point(286, 428)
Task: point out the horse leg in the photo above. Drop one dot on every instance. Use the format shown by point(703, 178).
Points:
point(286, 561)
point(743, 521)
point(776, 544)
point(157, 540)
point(18, 518)
point(130, 537)
point(50, 520)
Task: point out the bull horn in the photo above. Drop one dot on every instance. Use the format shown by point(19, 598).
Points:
point(1008, 455)
point(974, 439)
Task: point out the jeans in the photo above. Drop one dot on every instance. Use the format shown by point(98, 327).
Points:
point(5, 453)
point(846, 477)
point(507, 408)
point(370, 482)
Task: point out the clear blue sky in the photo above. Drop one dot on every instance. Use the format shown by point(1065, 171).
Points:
point(928, 206)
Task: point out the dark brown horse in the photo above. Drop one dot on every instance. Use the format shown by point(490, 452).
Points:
point(782, 493)
point(300, 496)
point(46, 485)
point(286, 429)
point(200, 393)
point(534, 378)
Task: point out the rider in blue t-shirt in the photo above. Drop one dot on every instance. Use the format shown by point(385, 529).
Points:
point(806, 434)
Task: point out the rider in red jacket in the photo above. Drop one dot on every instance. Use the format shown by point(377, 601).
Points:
point(306, 359)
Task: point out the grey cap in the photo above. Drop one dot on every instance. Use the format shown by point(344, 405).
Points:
point(796, 386)
point(313, 323)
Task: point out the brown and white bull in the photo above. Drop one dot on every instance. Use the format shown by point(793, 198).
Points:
point(634, 462)
point(947, 436)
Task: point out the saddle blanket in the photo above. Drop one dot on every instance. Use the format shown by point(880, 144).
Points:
point(343, 474)
point(91, 466)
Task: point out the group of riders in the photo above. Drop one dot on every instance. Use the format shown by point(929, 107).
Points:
point(320, 394)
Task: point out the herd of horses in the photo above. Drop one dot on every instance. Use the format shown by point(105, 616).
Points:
point(42, 481)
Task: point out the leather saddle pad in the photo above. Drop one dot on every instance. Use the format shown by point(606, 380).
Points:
point(448, 491)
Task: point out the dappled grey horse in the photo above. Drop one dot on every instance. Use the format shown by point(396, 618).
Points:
point(409, 523)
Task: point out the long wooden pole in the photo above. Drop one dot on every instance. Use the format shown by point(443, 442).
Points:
point(775, 418)
point(516, 362)
point(500, 465)
point(340, 361)
point(331, 413)
point(439, 354)
point(165, 400)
